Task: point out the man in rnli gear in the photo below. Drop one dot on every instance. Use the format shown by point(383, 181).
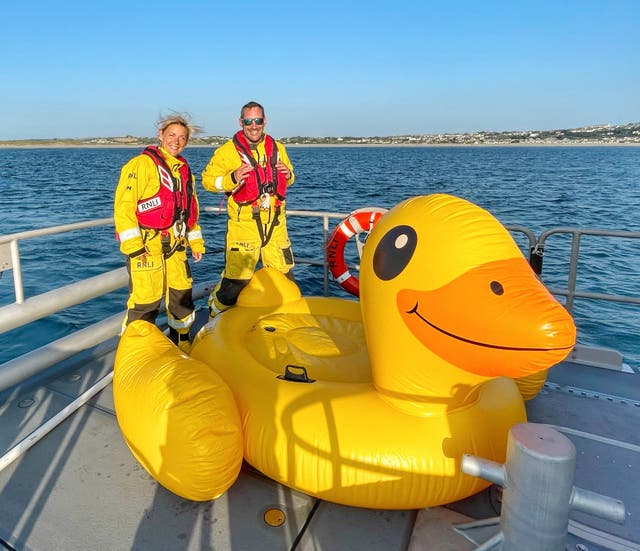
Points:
point(254, 171)
point(156, 218)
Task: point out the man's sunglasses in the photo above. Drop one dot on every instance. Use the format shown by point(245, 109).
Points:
point(259, 121)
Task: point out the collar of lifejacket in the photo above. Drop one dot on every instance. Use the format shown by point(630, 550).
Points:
point(270, 149)
point(160, 153)
point(160, 156)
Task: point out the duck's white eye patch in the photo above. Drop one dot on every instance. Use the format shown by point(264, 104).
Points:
point(401, 241)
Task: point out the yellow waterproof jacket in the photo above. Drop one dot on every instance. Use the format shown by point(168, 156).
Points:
point(217, 174)
point(139, 180)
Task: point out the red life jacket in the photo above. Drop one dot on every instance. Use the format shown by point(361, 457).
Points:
point(175, 200)
point(265, 179)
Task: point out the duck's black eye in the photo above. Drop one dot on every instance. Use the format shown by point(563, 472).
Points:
point(497, 288)
point(394, 251)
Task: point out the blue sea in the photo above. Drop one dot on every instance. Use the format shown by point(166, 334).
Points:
point(536, 187)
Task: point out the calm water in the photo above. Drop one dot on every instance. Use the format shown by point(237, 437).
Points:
point(538, 187)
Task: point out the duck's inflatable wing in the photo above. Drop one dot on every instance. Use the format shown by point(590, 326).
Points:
point(177, 416)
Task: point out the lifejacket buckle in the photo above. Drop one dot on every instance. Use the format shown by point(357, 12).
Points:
point(179, 228)
point(265, 201)
point(165, 239)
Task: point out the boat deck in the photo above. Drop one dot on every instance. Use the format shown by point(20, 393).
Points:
point(81, 488)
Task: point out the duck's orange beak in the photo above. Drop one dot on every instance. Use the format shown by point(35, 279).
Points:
point(496, 319)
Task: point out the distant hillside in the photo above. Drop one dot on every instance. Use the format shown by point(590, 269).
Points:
point(603, 134)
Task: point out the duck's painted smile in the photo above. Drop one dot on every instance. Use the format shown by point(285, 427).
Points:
point(415, 311)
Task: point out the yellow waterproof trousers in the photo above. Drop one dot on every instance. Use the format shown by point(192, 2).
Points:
point(153, 277)
point(244, 248)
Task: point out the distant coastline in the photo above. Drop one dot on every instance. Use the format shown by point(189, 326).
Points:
point(318, 145)
point(627, 134)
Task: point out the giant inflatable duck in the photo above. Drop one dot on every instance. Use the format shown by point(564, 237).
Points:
point(373, 404)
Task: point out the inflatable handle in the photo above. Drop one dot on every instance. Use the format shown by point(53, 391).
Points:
point(301, 377)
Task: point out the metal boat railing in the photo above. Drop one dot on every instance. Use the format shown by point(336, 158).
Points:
point(571, 292)
point(26, 310)
point(10, 259)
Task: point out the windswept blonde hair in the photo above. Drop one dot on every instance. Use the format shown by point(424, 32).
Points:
point(183, 119)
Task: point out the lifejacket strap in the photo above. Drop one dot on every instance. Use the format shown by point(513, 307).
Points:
point(137, 253)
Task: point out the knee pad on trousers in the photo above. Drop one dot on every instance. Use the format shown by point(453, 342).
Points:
point(147, 312)
point(227, 291)
point(181, 304)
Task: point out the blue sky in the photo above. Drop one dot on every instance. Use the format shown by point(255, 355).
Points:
point(328, 68)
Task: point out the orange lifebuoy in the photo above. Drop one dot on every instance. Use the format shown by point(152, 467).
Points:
point(359, 221)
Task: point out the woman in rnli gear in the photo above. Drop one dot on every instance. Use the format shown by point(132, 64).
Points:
point(254, 171)
point(156, 219)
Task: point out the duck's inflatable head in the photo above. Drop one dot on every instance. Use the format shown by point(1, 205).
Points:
point(443, 284)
